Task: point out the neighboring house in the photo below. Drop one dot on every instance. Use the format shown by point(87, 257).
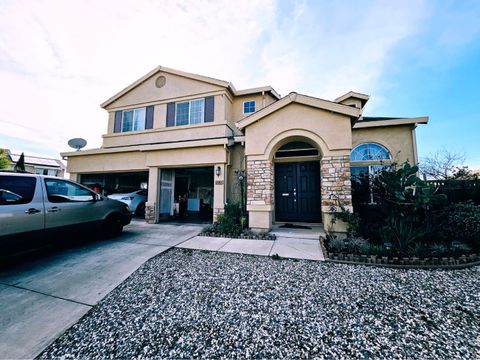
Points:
point(39, 165)
point(190, 137)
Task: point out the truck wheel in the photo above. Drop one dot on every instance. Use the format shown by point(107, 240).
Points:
point(112, 226)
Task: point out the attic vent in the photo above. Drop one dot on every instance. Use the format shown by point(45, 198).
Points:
point(160, 81)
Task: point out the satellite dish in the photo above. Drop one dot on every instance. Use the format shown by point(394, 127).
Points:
point(77, 143)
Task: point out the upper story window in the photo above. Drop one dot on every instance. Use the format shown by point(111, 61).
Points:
point(190, 112)
point(249, 106)
point(134, 119)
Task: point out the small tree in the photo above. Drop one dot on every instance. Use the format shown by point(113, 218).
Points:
point(443, 165)
point(20, 165)
point(4, 161)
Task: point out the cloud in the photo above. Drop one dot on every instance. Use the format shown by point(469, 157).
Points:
point(60, 59)
point(56, 70)
point(330, 48)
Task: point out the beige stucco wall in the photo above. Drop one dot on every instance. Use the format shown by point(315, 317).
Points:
point(170, 134)
point(397, 139)
point(142, 160)
point(260, 102)
point(328, 130)
point(175, 87)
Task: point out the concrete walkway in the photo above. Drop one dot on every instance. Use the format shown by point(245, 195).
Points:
point(290, 243)
point(41, 299)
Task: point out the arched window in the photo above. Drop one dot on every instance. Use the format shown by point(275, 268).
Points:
point(295, 149)
point(366, 160)
point(370, 152)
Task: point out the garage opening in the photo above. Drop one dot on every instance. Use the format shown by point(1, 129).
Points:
point(128, 187)
point(187, 194)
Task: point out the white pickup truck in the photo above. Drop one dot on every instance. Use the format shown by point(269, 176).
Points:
point(34, 209)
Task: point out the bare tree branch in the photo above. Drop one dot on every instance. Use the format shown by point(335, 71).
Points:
point(442, 164)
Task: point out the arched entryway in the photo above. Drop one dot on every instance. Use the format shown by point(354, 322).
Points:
point(297, 182)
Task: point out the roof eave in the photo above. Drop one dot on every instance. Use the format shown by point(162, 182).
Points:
point(392, 122)
point(301, 99)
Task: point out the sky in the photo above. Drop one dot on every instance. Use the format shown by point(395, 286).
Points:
point(60, 59)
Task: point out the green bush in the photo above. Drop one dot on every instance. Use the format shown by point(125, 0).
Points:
point(462, 223)
point(352, 245)
point(227, 225)
point(351, 219)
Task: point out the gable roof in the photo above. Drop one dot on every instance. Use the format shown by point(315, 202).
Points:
point(258, 90)
point(294, 97)
point(205, 79)
point(355, 95)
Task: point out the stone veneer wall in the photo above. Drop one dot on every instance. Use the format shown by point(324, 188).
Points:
point(150, 213)
point(260, 182)
point(335, 183)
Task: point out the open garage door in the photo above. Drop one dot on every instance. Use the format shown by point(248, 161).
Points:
point(111, 183)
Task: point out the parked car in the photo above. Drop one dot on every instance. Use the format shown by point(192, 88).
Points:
point(33, 208)
point(135, 200)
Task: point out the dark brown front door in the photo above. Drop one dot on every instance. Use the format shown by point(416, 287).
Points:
point(297, 191)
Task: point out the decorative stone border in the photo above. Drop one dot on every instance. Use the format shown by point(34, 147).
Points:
point(460, 262)
point(241, 236)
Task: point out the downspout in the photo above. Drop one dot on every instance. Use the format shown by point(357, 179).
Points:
point(225, 184)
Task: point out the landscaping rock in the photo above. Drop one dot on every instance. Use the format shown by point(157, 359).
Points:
point(216, 305)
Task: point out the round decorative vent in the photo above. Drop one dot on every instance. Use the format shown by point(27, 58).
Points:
point(160, 81)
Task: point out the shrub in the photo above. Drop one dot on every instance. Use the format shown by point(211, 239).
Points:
point(438, 250)
point(351, 219)
point(227, 225)
point(462, 223)
point(334, 244)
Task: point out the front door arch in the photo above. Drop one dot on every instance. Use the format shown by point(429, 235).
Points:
point(297, 183)
point(297, 191)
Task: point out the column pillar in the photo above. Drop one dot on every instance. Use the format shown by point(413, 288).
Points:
point(336, 190)
point(151, 207)
point(219, 189)
point(260, 194)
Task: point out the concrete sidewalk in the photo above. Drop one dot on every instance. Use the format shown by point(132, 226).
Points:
point(290, 243)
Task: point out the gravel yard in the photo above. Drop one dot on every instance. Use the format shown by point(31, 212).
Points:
point(185, 304)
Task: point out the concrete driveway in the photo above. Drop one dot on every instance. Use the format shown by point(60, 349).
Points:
point(41, 299)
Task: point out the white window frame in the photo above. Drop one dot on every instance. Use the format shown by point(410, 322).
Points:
point(189, 102)
point(254, 106)
point(133, 118)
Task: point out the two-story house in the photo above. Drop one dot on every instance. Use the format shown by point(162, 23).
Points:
point(191, 138)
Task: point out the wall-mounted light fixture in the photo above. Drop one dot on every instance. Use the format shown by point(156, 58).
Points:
point(218, 171)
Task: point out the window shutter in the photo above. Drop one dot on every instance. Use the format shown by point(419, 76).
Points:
point(149, 118)
point(209, 109)
point(171, 114)
point(117, 126)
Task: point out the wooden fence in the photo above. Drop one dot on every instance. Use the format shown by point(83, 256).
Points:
point(458, 190)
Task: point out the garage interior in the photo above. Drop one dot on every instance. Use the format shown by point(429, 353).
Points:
point(111, 183)
point(187, 194)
